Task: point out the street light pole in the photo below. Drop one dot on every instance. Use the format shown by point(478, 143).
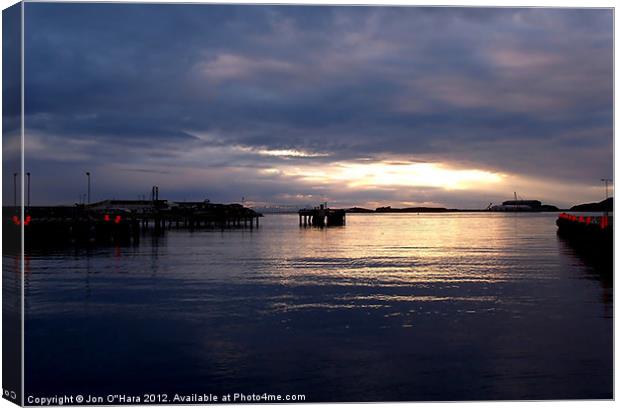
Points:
point(606, 181)
point(28, 175)
point(14, 189)
point(88, 176)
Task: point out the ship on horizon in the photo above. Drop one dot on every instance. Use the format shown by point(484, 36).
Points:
point(521, 205)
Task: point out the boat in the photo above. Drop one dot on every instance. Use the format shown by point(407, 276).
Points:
point(517, 205)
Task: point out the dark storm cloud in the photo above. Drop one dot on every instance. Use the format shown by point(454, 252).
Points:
point(11, 101)
point(524, 91)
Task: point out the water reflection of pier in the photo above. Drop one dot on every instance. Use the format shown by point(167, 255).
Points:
point(322, 216)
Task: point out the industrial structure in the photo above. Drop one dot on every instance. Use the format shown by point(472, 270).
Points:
point(122, 220)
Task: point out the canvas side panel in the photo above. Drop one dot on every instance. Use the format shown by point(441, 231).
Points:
point(11, 203)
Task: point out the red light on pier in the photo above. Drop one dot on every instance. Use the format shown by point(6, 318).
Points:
point(17, 221)
point(106, 218)
point(117, 220)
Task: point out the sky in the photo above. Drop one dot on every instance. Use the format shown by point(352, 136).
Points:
point(296, 105)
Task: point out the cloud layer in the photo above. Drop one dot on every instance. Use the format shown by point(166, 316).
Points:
point(230, 101)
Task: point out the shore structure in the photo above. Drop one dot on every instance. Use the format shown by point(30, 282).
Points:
point(520, 205)
point(123, 220)
point(322, 216)
point(590, 234)
point(606, 205)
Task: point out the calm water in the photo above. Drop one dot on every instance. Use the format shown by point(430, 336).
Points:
point(390, 307)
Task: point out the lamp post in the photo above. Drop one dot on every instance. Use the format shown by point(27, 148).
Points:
point(28, 175)
point(15, 190)
point(606, 181)
point(88, 177)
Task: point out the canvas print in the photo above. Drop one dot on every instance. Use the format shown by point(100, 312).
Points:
point(233, 203)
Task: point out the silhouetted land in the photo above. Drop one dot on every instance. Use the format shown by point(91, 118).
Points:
point(548, 208)
point(605, 205)
point(359, 210)
point(413, 210)
point(381, 210)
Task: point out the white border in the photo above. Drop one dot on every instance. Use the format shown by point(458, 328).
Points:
point(470, 3)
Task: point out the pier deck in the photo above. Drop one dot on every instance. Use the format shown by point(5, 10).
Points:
point(122, 220)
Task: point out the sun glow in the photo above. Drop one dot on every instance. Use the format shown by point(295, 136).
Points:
point(284, 153)
point(290, 153)
point(400, 174)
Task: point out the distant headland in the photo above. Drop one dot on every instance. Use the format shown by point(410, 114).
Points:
point(605, 205)
point(506, 206)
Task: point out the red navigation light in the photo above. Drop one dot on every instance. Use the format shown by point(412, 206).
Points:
point(27, 220)
point(117, 220)
point(106, 218)
point(16, 220)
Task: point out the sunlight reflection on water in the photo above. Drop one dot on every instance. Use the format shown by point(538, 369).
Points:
point(388, 307)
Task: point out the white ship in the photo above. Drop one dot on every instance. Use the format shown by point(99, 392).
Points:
point(517, 205)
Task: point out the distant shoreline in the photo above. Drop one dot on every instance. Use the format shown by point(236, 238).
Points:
point(602, 206)
point(448, 211)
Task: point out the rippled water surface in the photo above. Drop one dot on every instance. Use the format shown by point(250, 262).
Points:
point(389, 307)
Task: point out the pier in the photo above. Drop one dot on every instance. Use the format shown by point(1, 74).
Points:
point(592, 234)
point(122, 221)
point(591, 239)
point(322, 216)
point(585, 226)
